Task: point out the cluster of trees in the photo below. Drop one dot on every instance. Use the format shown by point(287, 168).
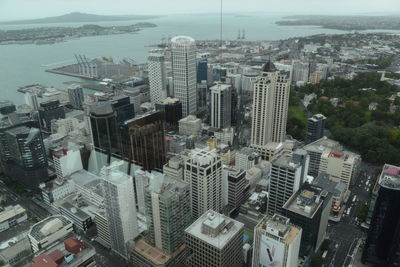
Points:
point(372, 133)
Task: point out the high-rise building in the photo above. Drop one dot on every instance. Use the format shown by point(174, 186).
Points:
point(157, 76)
point(143, 141)
point(285, 180)
point(203, 171)
point(202, 97)
point(382, 247)
point(341, 166)
point(123, 108)
point(221, 105)
point(309, 208)
point(168, 212)
point(183, 50)
point(315, 128)
point(24, 155)
point(31, 100)
point(119, 201)
point(174, 168)
point(48, 111)
point(276, 242)
point(103, 124)
point(215, 241)
point(247, 158)
point(172, 109)
point(235, 187)
point(300, 71)
point(270, 106)
point(202, 70)
point(75, 95)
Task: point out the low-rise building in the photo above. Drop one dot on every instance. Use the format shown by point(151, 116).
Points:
point(12, 215)
point(190, 125)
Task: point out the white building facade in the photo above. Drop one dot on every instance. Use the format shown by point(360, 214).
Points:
point(157, 76)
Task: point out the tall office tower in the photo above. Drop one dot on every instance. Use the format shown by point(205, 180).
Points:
point(25, 156)
point(309, 208)
point(341, 166)
point(235, 188)
point(382, 247)
point(75, 95)
point(48, 111)
point(300, 71)
point(221, 95)
point(183, 50)
point(315, 150)
point(276, 242)
point(143, 141)
point(123, 108)
point(203, 171)
point(168, 212)
point(315, 128)
point(215, 241)
point(247, 86)
point(202, 96)
point(234, 108)
point(157, 76)
point(172, 109)
point(202, 70)
point(285, 180)
point(103, 124)
point(31, 100)
point(247, 158)
point(119, 201)
point(270, 106)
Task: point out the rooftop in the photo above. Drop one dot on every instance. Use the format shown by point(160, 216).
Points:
point(204, 156)
point(215, 229)
point(285, 160)
point(48, 226)
point(323, 144)
point(317, 117)
point(183, 40)
point(323, 181)
point(307, 200)
point(220, 87)
point(11, 212)
point(280, 227)
point(390, 177)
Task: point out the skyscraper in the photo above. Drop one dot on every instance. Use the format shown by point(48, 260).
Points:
point(221, 105)
point(270, 106)
point(315, 127)
point(75, 95)
point(168, 212)
point(157, 76)
point(286, 175)
point(203, 171)
point(31, 100)
point(119, 201)
point(382, 247)
point(276, 242)
point(143, 140)
point(202, 70)
point(183, 49)
point(172, 109)
point(215, 241)
point(48, 111)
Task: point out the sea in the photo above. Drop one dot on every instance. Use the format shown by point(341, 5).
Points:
point(23, 64)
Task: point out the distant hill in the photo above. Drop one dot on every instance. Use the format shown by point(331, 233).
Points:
point(79, 17)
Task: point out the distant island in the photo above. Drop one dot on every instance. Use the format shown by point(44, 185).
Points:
point(346, 23)
point(50, 35)
point(79, 17)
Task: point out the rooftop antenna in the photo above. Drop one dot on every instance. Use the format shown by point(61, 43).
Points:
point(220, 43)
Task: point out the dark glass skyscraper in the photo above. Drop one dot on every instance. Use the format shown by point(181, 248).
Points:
point(315, 128)
point(202, 70)
point(48, 111)
point(382, 247)
point(124, 108)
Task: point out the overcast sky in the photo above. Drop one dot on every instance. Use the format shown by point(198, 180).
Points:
point(19, 9)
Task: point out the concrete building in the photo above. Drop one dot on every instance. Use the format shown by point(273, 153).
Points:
point(338, 190)
point(215, 241)
point(315, 128)
point(247, 158)
point(309, 208)
point(315, 150)
point(143, 141)
point(190, 125)
point(82, 220)
point(341, 166)
point(221, 105)
point(31, 100)
point(65, 126)
point(56, 189)
point(203, 97)
point(203, 172)
point(48, 231)
point(66, 161)
point(300, 71)
point(75, 96)
point(382, 246)
point(276, 242)
point(11, 216)
point(183, 52)
point(235, 188)
point(119, 198)
point(157, 76)
point(286, 172)
point(270, 107)
point(174, 168)
point(168, 212)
